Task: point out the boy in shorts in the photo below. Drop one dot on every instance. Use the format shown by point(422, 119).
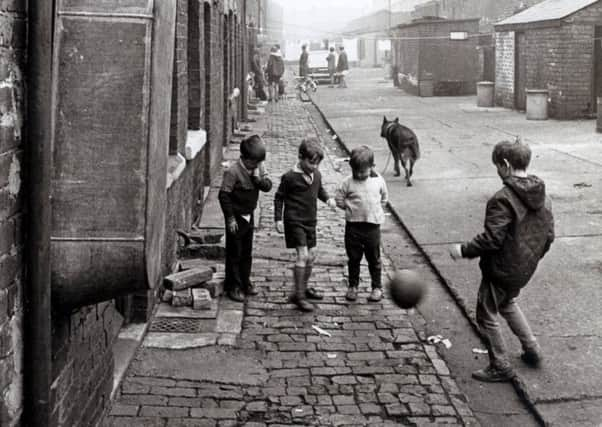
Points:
point(296, 203)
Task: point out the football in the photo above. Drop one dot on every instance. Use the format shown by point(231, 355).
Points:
point(407, 288)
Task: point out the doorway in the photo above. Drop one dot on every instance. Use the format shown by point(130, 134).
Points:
point(597, 78)
point(520, 72)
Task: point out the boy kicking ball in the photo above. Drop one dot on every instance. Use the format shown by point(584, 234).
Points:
point(519, 229)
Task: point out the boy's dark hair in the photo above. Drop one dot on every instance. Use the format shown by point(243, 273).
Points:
point(252, 148)
point(332, 49)
point(310, 149)
point(517, 154)
point(361, 158)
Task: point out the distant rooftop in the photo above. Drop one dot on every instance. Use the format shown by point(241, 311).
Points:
point(548, 10)
point(376, 22)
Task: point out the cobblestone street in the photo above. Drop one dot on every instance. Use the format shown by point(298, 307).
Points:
point(370, 367)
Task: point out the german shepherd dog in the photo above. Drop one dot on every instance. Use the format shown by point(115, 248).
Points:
point(403, 144)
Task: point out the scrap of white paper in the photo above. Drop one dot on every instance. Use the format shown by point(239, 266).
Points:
point(321, 331)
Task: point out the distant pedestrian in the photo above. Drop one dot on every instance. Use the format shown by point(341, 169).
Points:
point(342, 66)
point(304, 62)
point(258, 77)
point(238, 199)
point(519, 229)
point(361, 195)
point(296, 202)
point(331, 59)
point(275, 70)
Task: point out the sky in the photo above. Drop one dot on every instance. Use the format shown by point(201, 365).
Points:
point(332, 15)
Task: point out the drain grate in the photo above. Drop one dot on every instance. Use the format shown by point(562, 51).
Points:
point(177, 324)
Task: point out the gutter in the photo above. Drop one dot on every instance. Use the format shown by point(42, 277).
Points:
point(38, 338)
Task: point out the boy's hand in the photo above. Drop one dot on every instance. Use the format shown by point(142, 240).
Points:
point(261, 169)
point(332, 204)
point(456, 252)
point(280, 226)
point(232, 226)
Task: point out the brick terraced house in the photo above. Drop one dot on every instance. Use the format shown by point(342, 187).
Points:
point(555, 46)
point(113, 119)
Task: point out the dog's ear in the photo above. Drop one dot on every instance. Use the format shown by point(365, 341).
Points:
point(384, 119)
point(396, 120)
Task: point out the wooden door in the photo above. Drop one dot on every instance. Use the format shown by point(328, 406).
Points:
point(520, 72)
point(597, 83)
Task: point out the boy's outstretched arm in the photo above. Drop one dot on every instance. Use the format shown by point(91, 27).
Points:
point(498, 217)
point(340, 195)
point(323, 195)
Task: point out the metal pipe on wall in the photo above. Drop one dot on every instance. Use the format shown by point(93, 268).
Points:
point(38, 341)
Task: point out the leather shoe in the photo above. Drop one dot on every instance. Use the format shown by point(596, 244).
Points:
point(493, 375)
point(302, 304)
point(313, 293)
point(376, 295)
point(351, 293)
point(236, 295)
point(251, 289)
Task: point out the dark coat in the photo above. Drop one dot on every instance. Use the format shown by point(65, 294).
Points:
point(342, 63)
point(304, 64)
point(519, 229)
point(275, 68)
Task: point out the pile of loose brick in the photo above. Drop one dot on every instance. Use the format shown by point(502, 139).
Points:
point(197, 283)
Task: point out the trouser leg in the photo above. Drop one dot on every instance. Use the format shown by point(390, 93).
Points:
point(233, 260)
point(372, 252)
point(246, 254)
point(488, 301)
point(518, 324)
point(355, 250)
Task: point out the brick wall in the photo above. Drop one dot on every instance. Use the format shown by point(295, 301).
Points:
point(12, 238)
point(82, 364)
point(504, 69)
point(559, 59)
point(544, 58)
point(577, 86)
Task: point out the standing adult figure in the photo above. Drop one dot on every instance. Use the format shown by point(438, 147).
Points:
point(331, 59)
point(258, 78)
point(304, 62)
point(342, 66)
point(275, 70)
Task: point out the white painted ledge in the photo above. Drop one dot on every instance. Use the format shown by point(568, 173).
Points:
point(195, 141)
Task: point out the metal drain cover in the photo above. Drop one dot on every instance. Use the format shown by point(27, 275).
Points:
point(178, 325)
